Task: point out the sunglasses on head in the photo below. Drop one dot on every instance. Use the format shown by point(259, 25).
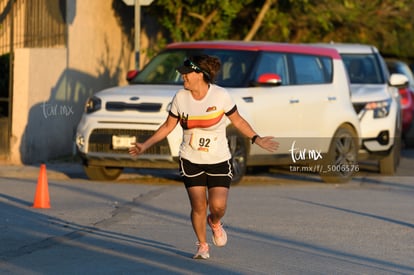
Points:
point(192, 65)
point(197, 69)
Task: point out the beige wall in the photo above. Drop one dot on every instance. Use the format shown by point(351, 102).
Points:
point(51, 85)
point(35, 125)
point(97, 45)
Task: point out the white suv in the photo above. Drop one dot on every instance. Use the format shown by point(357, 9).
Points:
point(297, 93)
point(377, 101)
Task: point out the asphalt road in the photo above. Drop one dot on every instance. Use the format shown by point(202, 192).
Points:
point(277, 224)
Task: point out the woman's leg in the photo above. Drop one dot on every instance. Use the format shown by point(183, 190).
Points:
point(217, 201)
point(198, 201)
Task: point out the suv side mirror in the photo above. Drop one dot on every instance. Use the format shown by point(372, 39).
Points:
point(398, 81)
point(131, 74)
point(268, 79)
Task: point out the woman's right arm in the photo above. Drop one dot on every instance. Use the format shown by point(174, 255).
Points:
point(160, 134)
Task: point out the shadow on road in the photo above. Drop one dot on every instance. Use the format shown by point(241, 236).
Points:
point(279, 174)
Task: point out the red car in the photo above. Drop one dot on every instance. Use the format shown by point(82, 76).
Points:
point(407, 99)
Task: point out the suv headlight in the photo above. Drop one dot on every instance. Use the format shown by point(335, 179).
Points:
point(80, 141)
point(381, 108)
point(93, 104)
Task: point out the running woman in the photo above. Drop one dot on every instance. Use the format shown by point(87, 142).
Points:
point(201, 108)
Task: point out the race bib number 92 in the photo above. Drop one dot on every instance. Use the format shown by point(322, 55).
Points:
point(203, 142)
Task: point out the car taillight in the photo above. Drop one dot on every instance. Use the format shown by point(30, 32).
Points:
point(405, 98)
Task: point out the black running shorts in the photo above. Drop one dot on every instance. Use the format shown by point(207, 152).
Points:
point(210, 175)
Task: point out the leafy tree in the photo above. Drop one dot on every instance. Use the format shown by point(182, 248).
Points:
point(388, 24)
point(189, 20)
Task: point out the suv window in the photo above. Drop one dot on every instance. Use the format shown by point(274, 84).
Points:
point(162, 70)
point(275, 63)
point(305, 69)
point(294, 69)
point(235, 69)
point(312, 69)
point(363, 68)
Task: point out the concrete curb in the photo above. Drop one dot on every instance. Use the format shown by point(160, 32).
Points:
point(58, 171)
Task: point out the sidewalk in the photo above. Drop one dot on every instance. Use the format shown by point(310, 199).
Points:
point(67, 170)
point(58, 170)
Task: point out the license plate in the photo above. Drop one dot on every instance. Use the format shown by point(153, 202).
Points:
point(122, 142)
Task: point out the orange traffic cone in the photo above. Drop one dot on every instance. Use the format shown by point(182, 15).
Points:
point(41, 199)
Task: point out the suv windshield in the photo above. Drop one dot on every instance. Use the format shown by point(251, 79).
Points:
point(235, 67)
point(363, 68)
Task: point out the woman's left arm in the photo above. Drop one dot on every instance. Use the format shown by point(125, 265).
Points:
point(268, 143)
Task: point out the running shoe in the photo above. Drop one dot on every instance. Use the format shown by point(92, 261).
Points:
point(219, 235)
point(202, 251)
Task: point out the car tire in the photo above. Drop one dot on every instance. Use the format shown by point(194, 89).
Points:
point(340, 163)
point(102, 173)
point(238, 152)
point(388, 165)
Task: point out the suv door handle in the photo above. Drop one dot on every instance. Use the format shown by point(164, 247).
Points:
point(331, 98)
point(248, 99)
point(294, 101)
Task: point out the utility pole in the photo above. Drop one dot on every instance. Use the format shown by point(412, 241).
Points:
point(137, 18)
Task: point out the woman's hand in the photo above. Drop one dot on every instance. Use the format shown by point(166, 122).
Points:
point(136, 149)
point(268, 143)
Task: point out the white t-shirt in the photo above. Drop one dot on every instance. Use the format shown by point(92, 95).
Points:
point(204, 124)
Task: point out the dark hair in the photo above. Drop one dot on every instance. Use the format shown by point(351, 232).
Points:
point(210, 66)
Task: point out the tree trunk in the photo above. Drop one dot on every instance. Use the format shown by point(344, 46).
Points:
point(259, 19)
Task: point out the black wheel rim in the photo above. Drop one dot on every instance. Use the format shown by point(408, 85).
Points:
point(238, 153)
point(346, 154)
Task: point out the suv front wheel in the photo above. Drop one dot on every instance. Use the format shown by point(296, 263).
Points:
point(102, 173)
point(238, 155)
point(389, 164)
point(340, 163)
